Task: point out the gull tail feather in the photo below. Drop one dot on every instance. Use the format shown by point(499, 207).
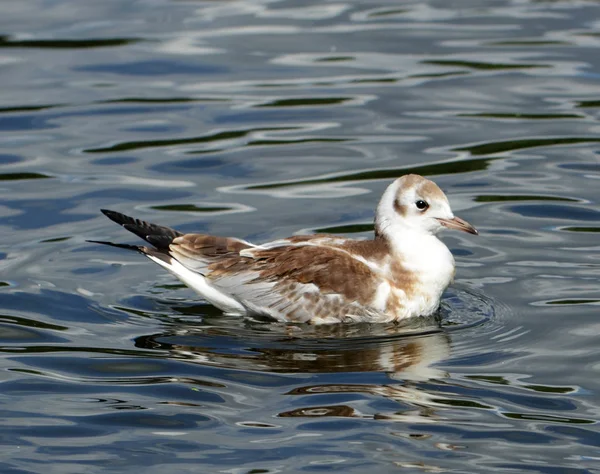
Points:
point(161, 237)
point(157, 235)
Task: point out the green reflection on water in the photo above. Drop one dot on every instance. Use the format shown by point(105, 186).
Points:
point(213, 137)
point(588, 103)
point(483, 66)
point(494, 379)
point(31, 323)
point(551, 418)
point(550, 389)
point(22, 176)
point(391, 12)
point(500, 380)
point(27, 108)
point(452, 167)
point(581, 229)
point(306, 102)
point(6, 42)
point(160, 100)
point(189, 208)
point(572, 302)
point(382, 80)
point(509, 145)
point(331, 59)
point(520, 116)
point(293, 141)
point(501, 198)
point(530, 43)
point(462, 403)
point(56, 239)
point(438, 74)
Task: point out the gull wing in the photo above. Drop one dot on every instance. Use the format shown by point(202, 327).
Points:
point(300, 283)
point(197, 251)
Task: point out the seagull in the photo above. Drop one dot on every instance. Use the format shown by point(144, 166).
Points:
point(320, 279)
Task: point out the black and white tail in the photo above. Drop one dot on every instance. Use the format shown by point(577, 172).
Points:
point(157, 235)
point(161, 238)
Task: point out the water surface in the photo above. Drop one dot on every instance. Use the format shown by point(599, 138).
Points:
point(262, 119)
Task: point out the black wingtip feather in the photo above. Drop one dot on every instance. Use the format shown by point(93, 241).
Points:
point(159, 236)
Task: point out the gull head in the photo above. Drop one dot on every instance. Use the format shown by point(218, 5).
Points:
point(415, 203)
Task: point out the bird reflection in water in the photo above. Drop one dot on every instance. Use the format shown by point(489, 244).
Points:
point(407, 354)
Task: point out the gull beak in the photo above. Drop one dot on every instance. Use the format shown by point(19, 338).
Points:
point(459, 224)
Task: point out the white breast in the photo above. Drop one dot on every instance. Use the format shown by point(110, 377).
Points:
point(432, 265)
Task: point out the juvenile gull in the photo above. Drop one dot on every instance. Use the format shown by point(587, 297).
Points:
point(320, 278)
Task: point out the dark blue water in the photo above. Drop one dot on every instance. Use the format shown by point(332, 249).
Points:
point(261, 119)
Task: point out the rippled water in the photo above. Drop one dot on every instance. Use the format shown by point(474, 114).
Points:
point(261, 119)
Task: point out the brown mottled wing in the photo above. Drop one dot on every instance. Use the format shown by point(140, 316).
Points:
point(299, 283)
point(197, 251)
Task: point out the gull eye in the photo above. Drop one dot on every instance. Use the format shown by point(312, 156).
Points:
point(421, 205)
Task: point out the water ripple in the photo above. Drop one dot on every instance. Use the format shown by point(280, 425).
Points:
point(172, 108)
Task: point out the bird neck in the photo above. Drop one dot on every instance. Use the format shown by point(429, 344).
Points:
point(422, 253)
